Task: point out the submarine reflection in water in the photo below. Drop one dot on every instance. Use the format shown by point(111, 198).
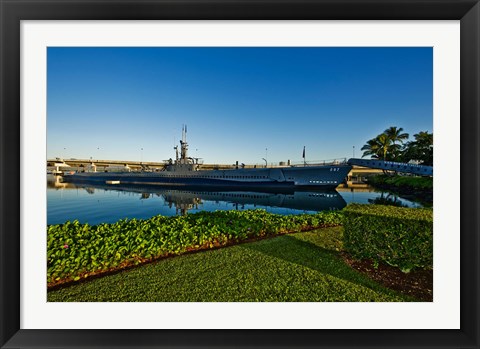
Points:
point(185, 200)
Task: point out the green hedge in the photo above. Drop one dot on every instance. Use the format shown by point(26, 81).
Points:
point(403, 182)
point(401, 237)
point(76, 250)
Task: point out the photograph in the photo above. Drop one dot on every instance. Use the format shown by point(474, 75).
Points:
point(239, 174)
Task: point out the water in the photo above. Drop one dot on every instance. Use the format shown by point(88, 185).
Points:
point(108, 204)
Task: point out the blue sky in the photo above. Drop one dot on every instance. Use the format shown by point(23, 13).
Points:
point(110, 103)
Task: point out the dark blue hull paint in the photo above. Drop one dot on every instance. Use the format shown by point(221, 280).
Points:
point(289, 177)
point(187, 182)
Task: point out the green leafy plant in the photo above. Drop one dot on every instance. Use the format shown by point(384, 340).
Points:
point(76, 251)
point(401, 237)
point(402, 182)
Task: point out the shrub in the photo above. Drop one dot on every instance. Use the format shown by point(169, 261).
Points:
point(401, 237)
point(403, 182)
point(76, 250)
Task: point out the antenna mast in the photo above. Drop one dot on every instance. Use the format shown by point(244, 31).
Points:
point(184, 145)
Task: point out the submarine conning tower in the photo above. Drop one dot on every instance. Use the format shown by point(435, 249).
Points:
point(183, 162)
point(184, 146)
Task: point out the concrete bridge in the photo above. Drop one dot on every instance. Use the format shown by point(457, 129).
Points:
point(82, 163)
point(59, 165)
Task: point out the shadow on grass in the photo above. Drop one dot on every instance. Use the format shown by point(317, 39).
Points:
point(307, 254)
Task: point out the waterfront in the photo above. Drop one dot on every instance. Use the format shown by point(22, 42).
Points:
point(108, 204)
point(262, 136)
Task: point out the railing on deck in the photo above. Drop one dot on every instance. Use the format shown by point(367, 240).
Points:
point(339, 161)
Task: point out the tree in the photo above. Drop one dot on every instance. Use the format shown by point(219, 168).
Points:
point(421, 149)
point(396, 137)
point(380, 147)
point(390, 146)
point(395, 134)
point(386, 146)
point(371, 148)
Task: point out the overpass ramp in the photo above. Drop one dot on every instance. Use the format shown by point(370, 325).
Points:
point(420, 170)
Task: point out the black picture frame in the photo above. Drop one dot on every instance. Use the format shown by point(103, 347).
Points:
point(13, 11)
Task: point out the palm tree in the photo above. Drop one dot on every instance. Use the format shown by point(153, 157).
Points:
point(378, 147)
point(395, 134)
point(371, 148)
point(390, 146)
point(385, 145)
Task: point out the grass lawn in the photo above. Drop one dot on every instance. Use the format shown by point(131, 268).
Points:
point(300, 267)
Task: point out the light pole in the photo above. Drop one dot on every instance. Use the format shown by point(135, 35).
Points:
point(353, 151)
point(141, 155)
point(266, 154)
point(265, 162)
